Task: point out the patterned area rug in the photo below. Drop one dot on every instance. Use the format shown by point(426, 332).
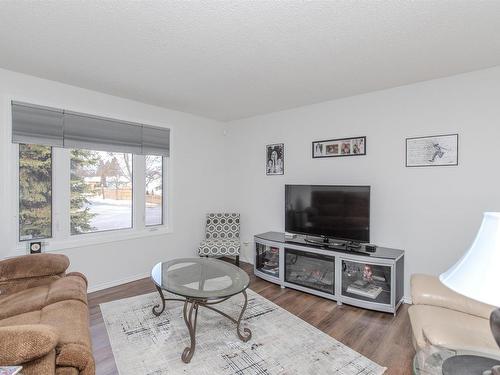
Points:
point(281, 342)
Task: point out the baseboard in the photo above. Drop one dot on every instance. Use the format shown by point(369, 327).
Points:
point(110, 284)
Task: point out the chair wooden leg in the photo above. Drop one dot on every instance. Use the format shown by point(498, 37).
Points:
point(237, 261)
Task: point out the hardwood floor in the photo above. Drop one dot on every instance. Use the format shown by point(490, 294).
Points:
point(381, 337)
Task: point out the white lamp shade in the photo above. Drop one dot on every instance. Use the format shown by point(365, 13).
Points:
point(477, 274)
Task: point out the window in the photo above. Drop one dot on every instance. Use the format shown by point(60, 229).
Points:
point(35, 192)
point(154, 190)
point(101, 191)
point(85, 174)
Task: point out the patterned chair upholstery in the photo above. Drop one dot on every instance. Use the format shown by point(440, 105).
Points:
point(222, 236)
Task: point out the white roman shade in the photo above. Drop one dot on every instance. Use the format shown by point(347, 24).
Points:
point(61, 128)
point(37, 124)
point(94, 133)
point(155, 141)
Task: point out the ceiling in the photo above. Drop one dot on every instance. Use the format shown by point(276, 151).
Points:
point(232, 59)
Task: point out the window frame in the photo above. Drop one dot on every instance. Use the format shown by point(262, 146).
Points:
point(163, 162)
point(62, 238)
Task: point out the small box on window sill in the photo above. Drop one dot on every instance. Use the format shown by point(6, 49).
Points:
point(35, 248)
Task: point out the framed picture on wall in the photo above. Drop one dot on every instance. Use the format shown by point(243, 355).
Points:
point(339, 147)
point(275, 159)
point(432, 151)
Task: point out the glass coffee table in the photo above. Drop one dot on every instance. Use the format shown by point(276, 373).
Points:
point(200, 282)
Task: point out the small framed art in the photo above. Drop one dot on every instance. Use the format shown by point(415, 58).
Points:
point(275, 159)
point(339, 147)
point(431, 151)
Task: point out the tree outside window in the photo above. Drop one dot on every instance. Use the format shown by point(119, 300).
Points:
point(101, 191)
point(35, 192)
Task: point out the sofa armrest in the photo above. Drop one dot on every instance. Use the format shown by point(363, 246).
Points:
point(23, 343)
point(429, 290)
point(33, 265)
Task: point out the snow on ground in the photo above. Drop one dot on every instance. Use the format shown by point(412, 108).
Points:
point(117, 214)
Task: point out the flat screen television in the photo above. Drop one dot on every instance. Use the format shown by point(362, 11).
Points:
point(339, 212)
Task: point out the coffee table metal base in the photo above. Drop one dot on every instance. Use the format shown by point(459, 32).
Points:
point(190, 313)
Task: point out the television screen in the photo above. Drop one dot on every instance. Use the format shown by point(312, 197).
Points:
point(341, 212)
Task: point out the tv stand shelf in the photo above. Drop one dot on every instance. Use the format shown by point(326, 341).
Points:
point(372, 280)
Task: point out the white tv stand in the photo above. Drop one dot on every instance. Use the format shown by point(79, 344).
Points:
point(372, 280)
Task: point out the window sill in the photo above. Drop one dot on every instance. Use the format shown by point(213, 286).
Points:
point(92, 239)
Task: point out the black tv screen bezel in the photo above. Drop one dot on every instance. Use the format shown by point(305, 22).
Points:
point(331, 237)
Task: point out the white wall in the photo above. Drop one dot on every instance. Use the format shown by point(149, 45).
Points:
point(196, 172)
point(433, 213)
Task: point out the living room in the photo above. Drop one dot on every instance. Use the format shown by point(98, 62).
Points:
point(154, 115)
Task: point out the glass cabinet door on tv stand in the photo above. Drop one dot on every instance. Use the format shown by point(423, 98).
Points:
point(267, 260)
point(366, 281)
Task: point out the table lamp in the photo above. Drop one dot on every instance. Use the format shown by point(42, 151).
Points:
point(477, 275)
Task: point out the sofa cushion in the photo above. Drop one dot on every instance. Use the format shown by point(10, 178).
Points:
point(42, 365)
point(32, 299)
point(33, 265)
point(9, 287)
point(24, 343)
point(67, 371)
point(32, 317)
point(70, 320)
point(451, 329)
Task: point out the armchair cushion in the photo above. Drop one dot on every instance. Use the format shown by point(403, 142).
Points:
point(428, 290)
point(24, 343)
point(219, 247)
point(451, 329)
point(33, 265)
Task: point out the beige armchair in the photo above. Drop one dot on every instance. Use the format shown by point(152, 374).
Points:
point(442, 317)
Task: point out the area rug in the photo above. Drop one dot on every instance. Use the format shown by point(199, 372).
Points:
point(281, 343)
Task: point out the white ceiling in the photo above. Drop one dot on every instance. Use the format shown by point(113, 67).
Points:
point(232, 59)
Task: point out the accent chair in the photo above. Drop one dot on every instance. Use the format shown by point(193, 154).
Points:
point(222, 236)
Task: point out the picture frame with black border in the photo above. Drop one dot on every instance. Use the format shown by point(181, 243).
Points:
point(275, 159)
point(432, 151)
point(352, 146)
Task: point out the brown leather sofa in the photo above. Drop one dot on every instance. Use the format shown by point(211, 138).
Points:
point(441, 317)
point(44, 323)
